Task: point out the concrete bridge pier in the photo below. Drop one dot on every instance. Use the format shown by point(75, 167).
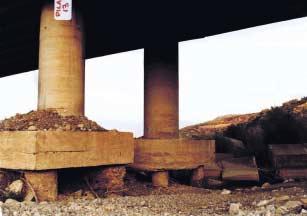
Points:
point(61, 81)
point(161, 117)
point(61, 63)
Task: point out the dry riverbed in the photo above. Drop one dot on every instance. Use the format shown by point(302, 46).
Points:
point(140, 198)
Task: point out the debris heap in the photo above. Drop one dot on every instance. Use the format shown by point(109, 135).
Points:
point(107, 180)
point(48, 120)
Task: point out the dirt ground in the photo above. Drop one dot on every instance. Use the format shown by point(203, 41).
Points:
point(140, 198)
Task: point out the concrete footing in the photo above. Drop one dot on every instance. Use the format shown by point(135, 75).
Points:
point(50, 150)
point(44, 184)
point(172, 154)
point(160, 179)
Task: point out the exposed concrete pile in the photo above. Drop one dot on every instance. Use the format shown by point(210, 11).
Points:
point(48, 120)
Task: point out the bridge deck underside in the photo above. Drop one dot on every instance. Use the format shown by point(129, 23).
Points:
point(112, 28)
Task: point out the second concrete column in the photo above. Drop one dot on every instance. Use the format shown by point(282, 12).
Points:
point(161, 117)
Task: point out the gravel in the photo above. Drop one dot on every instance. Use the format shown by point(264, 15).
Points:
point(176, 200)
point(48, 120)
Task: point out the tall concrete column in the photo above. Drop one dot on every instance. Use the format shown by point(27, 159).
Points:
point(61, 63)
point(161, 92)
point(161, 118)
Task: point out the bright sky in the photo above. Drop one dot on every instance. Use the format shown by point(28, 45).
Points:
point(238, 72)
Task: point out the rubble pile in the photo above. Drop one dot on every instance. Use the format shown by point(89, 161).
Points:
point(108, 180)
point(48, 120)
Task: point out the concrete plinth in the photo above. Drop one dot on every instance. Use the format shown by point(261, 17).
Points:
point(172, 154)
point(161, 97)
point(61, 63)
point(50, 150)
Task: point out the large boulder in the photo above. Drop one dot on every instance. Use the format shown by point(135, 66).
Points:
point(16, 190)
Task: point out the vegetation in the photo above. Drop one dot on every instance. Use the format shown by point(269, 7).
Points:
point(277, 126)
point(286, 124)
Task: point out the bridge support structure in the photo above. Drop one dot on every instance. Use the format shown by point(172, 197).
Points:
point(161, 149)
point(61, 88)
point(161, 98)
point(61, 79)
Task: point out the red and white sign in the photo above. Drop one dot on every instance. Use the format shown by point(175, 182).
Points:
point(62, 9)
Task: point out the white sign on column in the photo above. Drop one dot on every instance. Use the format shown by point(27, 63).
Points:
point(62, 9)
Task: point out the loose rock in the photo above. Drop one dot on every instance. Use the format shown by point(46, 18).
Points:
point(294, 206)
point(77, 194)
point(213, 183)
point(304, 202)
point(32, 128)
point(304, 212)
point(266, 185)
point(282, 198)
point(288, 180)
point(281, 210)
point(142, 203)
point(47, 120)
point(16, 189)
point(225, 192)
point(254, 188)
point(234, 208)
point(11, 202)
point(265, 202)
